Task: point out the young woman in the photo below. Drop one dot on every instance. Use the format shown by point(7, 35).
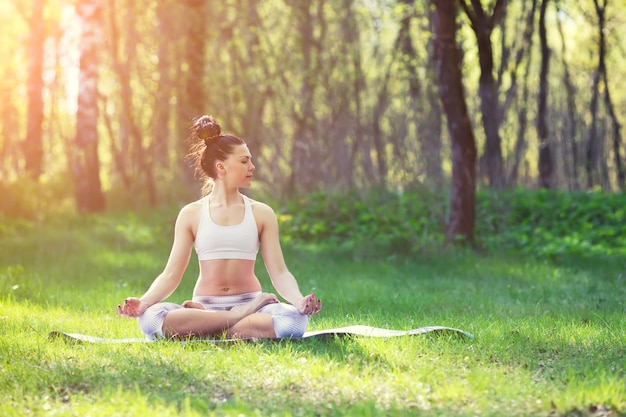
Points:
point(226, 228)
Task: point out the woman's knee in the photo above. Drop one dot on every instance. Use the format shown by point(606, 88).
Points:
point(151, 322)
point(287, 320)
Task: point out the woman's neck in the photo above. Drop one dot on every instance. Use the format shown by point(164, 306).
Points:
point(222, 195)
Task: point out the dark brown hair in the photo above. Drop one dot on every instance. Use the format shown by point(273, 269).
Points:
point(209, 145)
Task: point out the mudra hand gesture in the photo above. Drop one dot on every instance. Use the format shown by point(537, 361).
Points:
point(310, 305)
point(133, 307)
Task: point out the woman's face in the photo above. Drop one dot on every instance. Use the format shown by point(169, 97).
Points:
point(238, 167)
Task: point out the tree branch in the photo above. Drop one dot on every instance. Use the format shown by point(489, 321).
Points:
point(469, 12)
point(498, 12)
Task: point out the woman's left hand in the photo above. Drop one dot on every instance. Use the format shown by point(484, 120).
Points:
point(310, 305)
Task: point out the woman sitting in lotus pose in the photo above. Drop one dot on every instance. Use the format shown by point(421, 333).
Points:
point(226, 228)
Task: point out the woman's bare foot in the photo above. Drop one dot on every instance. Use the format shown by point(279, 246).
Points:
point(253, 306)
point(193, 304)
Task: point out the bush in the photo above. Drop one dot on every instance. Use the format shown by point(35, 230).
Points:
point(537, 222)
point(390, 221)
point(553, 222)
point(27, 199)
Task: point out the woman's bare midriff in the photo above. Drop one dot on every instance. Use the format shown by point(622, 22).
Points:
point(226, 277)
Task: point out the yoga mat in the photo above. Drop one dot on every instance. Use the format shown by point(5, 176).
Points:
point(356, 330)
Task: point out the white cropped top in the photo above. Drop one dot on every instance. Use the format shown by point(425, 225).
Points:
point(240, 241)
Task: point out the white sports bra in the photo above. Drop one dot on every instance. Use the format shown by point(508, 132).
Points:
point(240, 241)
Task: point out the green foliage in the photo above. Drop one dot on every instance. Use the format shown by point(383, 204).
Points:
point(24, 200)
point(536, 222)
point(553, 222)
point(380, 220)
point(27, 199)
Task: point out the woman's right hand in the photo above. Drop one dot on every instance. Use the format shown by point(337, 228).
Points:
point(133, 307)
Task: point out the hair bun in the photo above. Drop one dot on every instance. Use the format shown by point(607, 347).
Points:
point(207, 129)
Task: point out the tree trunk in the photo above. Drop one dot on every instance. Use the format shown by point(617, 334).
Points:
point(522, 113)
point(382, 102)
point(252, 82)
point(360, 149)
point(140, 163)
point(621, 175)
point(432, 143)
point(487, 87)
point(33, 145)
point(161, 118)
point(463, 190)
point(591, 154)
point(193, 100)
point(303, 171)
point(89, 196)
point(545, 154)
point(617, 137)
point(570, 129)
point(594, 152)
point(402, 45)
point(345, 120)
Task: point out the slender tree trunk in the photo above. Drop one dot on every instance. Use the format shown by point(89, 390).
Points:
point(402, 44)
point(119, 141)
point(33, 145)
point(89, 196)
point(545, 154)
point(423, 108)
point(432, 140)
point(251, 81)
point(524, 50)
point(193, 87)
point(570, 130)
point(360, 149)
point(617, 137)
point(621, 175)
point(432, 143)
point(382, 102)
point(10, 156)
point(161, 118)
point(522, 123)
point(139, 157)
point(345, 121)
point(522, 113)
point(302, 175)
point(594, 143)
point(591, 153)
point(483, 25)
point(462, 215)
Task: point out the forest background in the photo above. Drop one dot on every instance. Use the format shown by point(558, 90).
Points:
point(380, 129)
point(331, 95)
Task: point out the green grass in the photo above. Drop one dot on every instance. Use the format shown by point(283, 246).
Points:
point(550, 334)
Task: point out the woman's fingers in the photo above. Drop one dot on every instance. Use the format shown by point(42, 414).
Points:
point(129, 308)
point(123, 311)
point(318, 307)
point(312, 305)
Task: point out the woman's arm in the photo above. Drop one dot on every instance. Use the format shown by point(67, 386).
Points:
point(167, 281)
point(281, 277)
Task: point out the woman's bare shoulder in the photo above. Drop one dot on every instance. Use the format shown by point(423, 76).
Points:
point(261, 209)
point(192, 207)
point(190, 211)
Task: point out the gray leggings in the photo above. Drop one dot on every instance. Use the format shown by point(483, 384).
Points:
point(287, 320)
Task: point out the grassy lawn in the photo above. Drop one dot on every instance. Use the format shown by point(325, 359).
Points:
point(550, 334)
